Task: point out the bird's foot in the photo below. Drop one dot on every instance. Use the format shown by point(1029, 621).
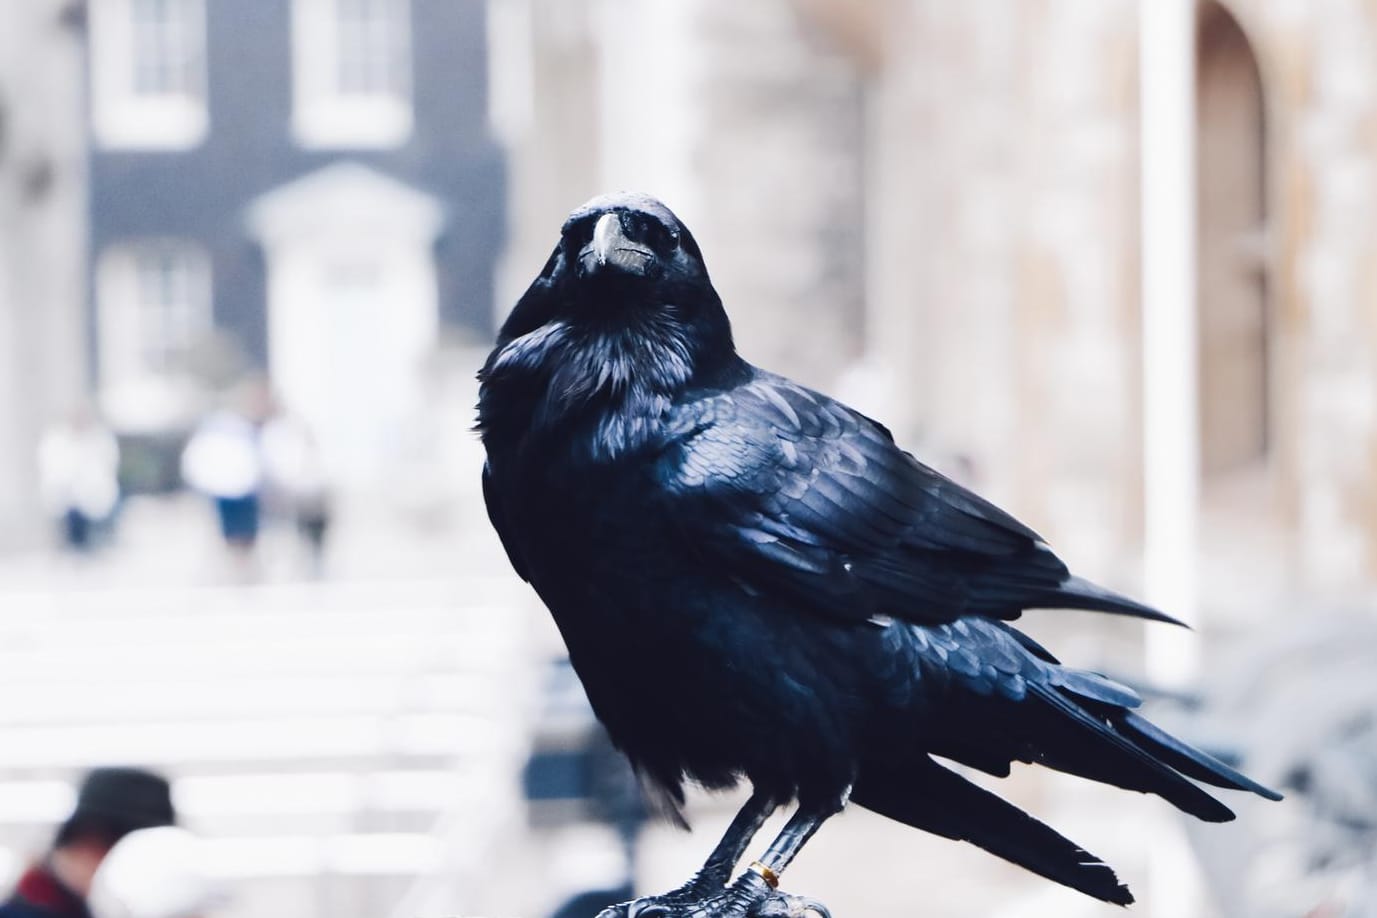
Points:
point(702, 885)
point(749, 897)
point(675, 903)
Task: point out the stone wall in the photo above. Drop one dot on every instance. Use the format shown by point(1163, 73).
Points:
point(1321, 80)
point(779, 162)
point(1006, 198)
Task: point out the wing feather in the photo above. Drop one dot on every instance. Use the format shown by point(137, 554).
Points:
point(792, 490)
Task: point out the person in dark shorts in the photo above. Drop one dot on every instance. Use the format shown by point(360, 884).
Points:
point(238, 519)
point(222, 461)
point(297, 482)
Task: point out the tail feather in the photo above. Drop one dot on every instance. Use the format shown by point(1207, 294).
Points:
point(1073, 721)
point(1187, 759)
point(1076, 742)
point(937, 800)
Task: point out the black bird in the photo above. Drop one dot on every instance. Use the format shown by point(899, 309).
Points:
point(755, 582)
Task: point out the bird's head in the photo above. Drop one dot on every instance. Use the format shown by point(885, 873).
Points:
point(628, 240)
point(624, 298)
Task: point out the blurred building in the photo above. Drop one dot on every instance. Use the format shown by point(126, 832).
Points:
point(304, 186)
point(42, 243)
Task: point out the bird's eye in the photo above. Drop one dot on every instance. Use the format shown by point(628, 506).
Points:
point(579, 234)
point(645, 228)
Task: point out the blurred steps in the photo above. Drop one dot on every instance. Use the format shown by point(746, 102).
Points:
point(316, 733)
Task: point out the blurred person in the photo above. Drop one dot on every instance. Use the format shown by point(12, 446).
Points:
point(154, 873)
point(78, 473)
point(295, 477)
point(111, 803)
point(222, 461)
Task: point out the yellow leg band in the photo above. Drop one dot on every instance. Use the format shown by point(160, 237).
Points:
point(769, 876)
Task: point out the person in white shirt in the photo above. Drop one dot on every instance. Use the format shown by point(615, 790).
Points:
point(78, 474)
point(222, 461)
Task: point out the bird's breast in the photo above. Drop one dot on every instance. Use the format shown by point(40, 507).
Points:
point(577, 518)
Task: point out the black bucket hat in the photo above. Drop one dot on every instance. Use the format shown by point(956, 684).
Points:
point(120, 800)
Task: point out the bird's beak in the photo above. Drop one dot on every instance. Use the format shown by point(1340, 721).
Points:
point(612, 249)
point(606, 234)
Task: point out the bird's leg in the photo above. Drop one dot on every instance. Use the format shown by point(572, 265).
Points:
point(758, 888)
point(791, 839)
point(755, 894)
point(716, 870)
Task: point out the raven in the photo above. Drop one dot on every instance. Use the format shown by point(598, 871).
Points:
point(754, 581)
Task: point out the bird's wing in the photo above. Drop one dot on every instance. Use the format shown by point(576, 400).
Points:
point(794, 492)
point(497, 516)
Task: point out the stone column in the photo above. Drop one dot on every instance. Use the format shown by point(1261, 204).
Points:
point(43, 324)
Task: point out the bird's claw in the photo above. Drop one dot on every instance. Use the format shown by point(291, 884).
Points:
point(783, 905)
point(748, 897)
point(701, 885)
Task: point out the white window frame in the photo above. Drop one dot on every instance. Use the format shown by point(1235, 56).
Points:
point(326, 116)
point(122, 116)
point(123, 312)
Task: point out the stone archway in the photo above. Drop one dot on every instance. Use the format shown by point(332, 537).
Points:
point(1235, 328)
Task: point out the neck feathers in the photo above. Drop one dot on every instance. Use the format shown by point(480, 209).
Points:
point(615, 382)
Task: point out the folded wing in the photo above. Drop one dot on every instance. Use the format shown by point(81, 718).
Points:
point(796, 493)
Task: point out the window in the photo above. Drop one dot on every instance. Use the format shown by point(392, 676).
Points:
point(352, 73)
point(148, 73)
point(154, 301)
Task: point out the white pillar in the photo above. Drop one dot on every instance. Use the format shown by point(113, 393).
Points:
point(42, 249)
point(1171, 448)
point(650, 87)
